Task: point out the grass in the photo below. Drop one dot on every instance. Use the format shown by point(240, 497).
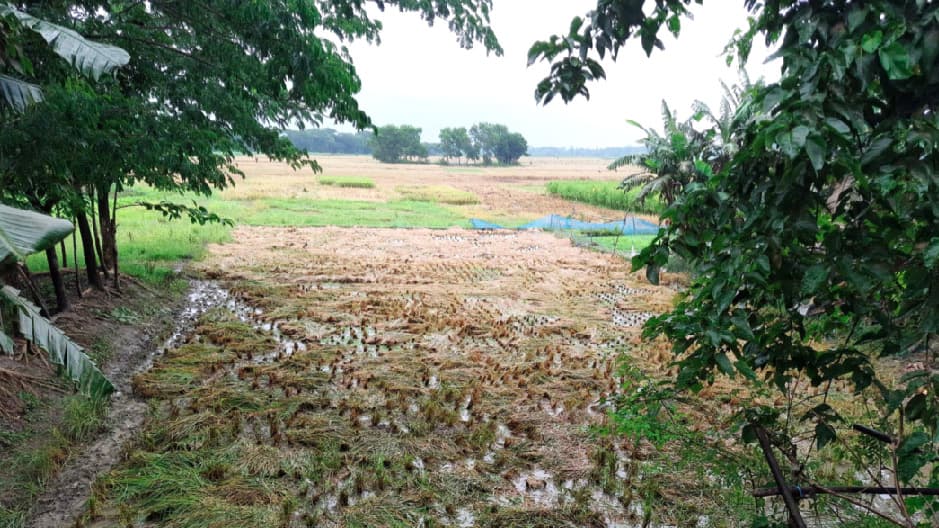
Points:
point(151, 246)
point(357, 182)
point(604, 194)
point(35, 454)
point(622, 244)
point(444, 194)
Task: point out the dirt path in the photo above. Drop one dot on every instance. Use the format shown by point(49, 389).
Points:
point(135, 346)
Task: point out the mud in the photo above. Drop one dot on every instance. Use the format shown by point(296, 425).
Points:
point(135, 348)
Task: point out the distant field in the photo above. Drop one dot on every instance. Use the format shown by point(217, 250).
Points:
point(355, 191)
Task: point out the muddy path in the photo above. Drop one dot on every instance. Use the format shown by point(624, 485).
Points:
point(136, 345)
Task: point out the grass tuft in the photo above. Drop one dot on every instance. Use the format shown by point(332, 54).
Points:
point(444, 194)
point(356, 182)
point(84, 417)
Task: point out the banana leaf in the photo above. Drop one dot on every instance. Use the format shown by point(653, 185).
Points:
point(62, 350)
point(23, 233)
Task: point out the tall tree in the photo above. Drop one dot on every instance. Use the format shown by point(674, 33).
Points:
point(814, 246)
point(496, 141)
point(450, 142)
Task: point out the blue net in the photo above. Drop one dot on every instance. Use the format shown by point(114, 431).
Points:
point(628, 226)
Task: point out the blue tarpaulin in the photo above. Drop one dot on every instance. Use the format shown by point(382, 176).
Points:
point(628, 226)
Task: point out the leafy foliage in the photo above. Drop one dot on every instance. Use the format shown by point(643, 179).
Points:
point(456, 143)
point(23, 233)
point(496, 141)
point(394, 144)
point(92, 58)
point(814, 244)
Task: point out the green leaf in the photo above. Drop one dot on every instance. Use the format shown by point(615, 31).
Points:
point(23, 233)
point(931, 253)
point(18, 94)
point(871, 41)
point(814, 277)
point(817, 153)
point(674, 24)
point(824, 434)
point(91, 58)
point(723, 363)
point(856, 17)
point(839, 126)
point(799, 135)
point(6, 343)
point(895, 59)
point(652, 274)
point(62, 350)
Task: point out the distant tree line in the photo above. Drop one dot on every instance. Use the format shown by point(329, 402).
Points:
point(397, 144)
point(572, 152)
point(329, 141)
point(484, 142)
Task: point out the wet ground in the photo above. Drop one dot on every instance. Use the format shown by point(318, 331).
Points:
point(369, 377)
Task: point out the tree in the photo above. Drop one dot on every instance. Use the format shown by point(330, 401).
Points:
point(329, 141)
point(814, 246)
point(394, 144)
point(451, 143)
point(496, 141)
point(210, 79)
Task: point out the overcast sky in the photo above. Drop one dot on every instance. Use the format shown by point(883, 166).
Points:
point(420, 76)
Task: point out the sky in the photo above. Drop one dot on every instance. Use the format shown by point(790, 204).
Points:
point(420, 76)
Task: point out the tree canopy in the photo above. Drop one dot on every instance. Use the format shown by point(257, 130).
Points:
point(498, 142)
point(814, 242)
point(394, 144)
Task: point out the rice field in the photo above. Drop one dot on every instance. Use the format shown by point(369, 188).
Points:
point(376, 377)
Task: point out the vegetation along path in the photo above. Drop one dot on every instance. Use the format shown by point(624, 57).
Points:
point(377, 377)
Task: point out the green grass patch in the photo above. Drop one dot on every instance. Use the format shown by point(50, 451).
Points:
point(604, 194)
point(437, 194)
point(358, 182)
point(150, 246)
point(622, 244)
point(34, 455)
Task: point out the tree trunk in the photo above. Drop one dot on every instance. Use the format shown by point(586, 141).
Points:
point(64, 254)
point(88, 246)
point(107, 227)
point(78, 277)
point(97, 239)
point(55, 273)
point(113, 235)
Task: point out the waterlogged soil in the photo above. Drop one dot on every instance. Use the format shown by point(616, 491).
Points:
point(374, 377)
point(129, 326)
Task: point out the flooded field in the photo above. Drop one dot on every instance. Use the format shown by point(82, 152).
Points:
point(374, 377)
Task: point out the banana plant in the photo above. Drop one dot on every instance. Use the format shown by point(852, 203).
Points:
point(91, 58)
point(23, 233)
